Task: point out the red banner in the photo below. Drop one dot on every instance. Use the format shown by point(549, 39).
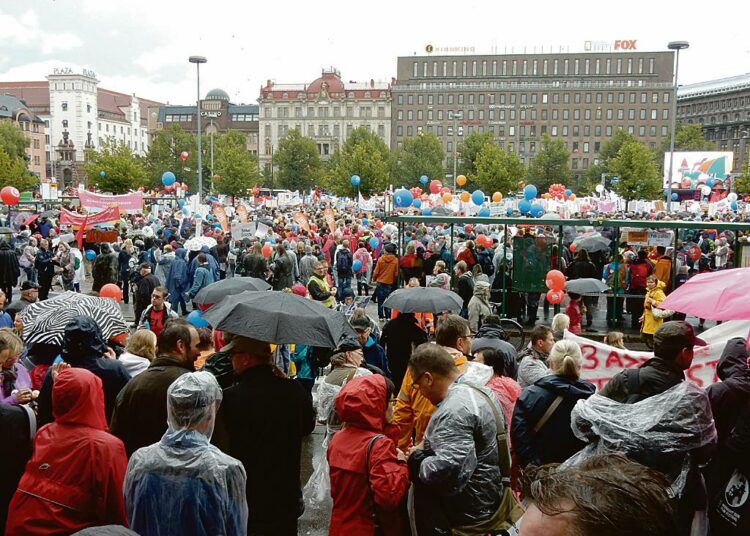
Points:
point(130, 203)
point(109, 215)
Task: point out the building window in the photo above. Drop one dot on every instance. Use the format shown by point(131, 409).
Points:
point(415, 70)
point(665, 114)
point(65, 123)
point(665, 98)
point(64, 106)
point(651, 65)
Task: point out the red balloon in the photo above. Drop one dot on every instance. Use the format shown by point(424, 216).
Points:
point(555, 296)
point(694, 252)
point(10, 195)
point(469, 228)
point(435, 186)
point(555, 280)
point(573, 247)
point(483, 240)
point(111, 290)
point(184, 155)
point(267, 250)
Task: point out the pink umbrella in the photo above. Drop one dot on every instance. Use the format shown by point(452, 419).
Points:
point(721, 295)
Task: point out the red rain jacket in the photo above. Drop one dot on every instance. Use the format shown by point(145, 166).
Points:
point(361, 404)
point(75, 476)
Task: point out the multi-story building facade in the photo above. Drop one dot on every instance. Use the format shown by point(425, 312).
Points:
point(218, 115)
point(79, 115)
point(722, 108)
point(581, 99)
point(32, 126)
point(326, 110)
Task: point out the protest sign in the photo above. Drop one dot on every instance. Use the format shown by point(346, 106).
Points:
point(130, 203)
point(240, 231)
point(73, 219)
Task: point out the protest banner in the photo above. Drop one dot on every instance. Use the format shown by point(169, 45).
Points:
point(301, 219)
point(221, 216)
point(262, 231)
point(601, 362)
point(75, 220)
point(240, 231)
point(330, 219)
point(131, 203)
point(242, 213)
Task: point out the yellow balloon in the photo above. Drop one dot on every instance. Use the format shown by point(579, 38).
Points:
point(572, 197)
point(447, 198)
point(465, 197)
point(497, 197)
point(461, 180)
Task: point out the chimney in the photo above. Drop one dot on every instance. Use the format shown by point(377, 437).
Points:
point(372, 82)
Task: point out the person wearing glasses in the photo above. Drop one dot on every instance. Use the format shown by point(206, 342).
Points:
point(413, 409)
point(157, 313)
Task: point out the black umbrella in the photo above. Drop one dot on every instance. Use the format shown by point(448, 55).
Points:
point(215, 292)
point(423, 300)
point(280, 318)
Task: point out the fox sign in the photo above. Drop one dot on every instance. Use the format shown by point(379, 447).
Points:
point(625, 44)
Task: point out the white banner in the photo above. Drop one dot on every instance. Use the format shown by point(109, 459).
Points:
point(241, 231)
point(601, 362)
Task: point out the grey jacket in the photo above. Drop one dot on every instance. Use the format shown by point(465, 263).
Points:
point(532, 366)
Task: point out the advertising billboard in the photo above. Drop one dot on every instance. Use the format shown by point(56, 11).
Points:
point(695, 169)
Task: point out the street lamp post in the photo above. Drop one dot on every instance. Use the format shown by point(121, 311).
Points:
point(456, 117)
point(198, 60)
point(677, 46)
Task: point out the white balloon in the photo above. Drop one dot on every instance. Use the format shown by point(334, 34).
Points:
point(705, 190)
point(599, 188)
point(732, 197)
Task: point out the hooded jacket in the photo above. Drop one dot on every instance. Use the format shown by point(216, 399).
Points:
point(731, 395)
point(554, 442)
point(479, 308)
point(177, 277)
point(386, 270)
point(83, 347)
point(9, 267)
point(362, 405)
point(202, 488)
point(650, 323)
point(75, 476)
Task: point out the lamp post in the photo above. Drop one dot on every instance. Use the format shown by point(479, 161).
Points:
point(673, 45)
point(198, 60)
point(456, 117)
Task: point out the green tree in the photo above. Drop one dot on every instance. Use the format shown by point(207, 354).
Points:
point(742, 181)
point(550, 165)
point(123, 171)
point(14, 172)
point(638, 173)
point(468, 151)
point(12, 140)
point(420, 155)
point(496, 170)
point(609, 149)
point(235, 168)
point(298, 162)
point(164, 155)
point(363, 154)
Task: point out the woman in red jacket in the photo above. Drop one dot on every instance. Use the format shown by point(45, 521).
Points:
point(74, 478)
point(365, 488)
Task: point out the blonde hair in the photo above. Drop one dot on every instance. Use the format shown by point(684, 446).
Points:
point(615, 338)
point(143, 344)
point(560, 322)
point(10, 341)
point(565, 359)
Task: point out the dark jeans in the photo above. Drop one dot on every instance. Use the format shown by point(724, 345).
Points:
point(532, 306)
point(382, 291)
point(176, 301)
point(618, 304)
point(635, 307)
point(30, 273)
point(45, 284)
point(125, 286)
point(362, 287)
point(590, 302)
point(345, 282)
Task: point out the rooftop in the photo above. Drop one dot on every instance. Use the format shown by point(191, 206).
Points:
point(712, 87)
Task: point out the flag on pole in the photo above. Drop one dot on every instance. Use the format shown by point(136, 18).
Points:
point(81, 230)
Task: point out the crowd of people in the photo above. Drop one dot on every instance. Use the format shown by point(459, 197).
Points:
point(434, 422)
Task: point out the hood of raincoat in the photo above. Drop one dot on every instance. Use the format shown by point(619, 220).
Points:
point(480, 288)
point(361, 403)
point(388, 258)
point(78, 399)
point(733, 360)
point(181, 253)
point(82, 338)
point(192, 402)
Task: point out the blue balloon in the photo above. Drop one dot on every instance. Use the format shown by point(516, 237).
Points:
point(675, 197)
point(102, 173)
point(536, 210)
point(509, 211)
point(524, 207)
point(365, 222)
point(530, 192)
point(424, 179)
point(357, 265)
point(90, 254)
point(477, 198)
point(374, 242)
point(185, 211)
point(733, 205)
point(568, 192)
point(402, 198)
point(209, 217)
point(484, 212)
point(710, 182)
point(355, 180)
point(426, 211)
point(181, 202)
point(416, 203)
point(196, 319)
point(168, 178)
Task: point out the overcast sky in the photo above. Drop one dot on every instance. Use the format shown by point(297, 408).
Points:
point(142, 46)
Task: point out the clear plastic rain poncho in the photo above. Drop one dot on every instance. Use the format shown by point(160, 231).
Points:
point(659, 431)
point(317, 491)
point(183, 484)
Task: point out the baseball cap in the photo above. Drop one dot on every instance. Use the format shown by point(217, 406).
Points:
point(28, 285)
point(676, 335)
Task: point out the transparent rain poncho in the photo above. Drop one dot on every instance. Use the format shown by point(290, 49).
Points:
point(659, 431)
point(317, 492)
point(183, 484)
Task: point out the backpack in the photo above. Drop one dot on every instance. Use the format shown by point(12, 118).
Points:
point(485, 261)
point(344, 263)
point(638, 274)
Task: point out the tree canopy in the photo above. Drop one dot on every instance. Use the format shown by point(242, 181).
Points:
point(114, 168)
point(298, 162)
point(639, 176)
point(549, 165)
point(363, 154)
point(421, 155)
point(497, 170)
point(235, 169)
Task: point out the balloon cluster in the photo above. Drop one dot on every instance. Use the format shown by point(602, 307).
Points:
point(555, 281)
point(557, 191)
